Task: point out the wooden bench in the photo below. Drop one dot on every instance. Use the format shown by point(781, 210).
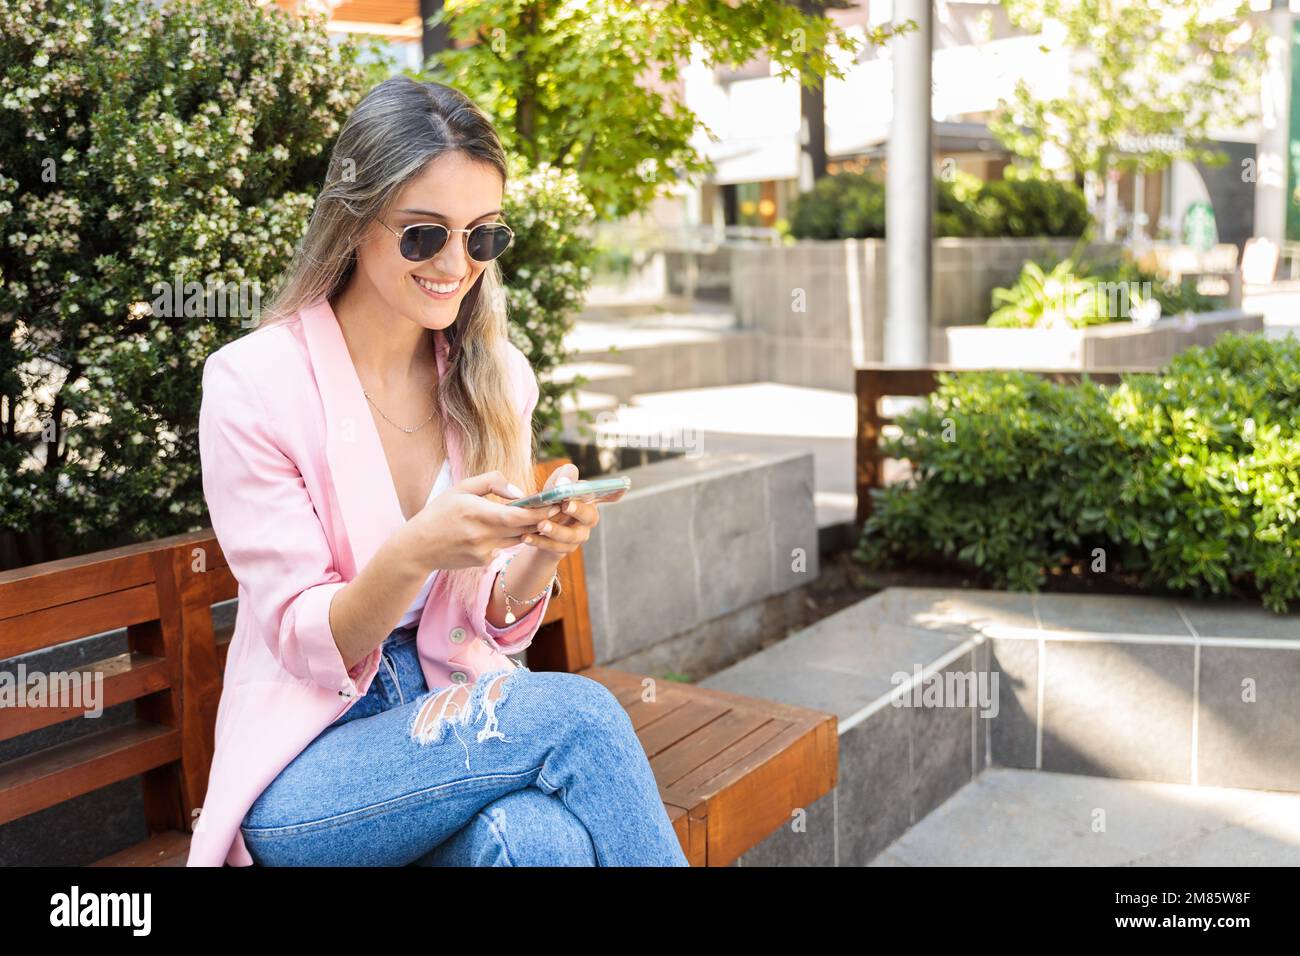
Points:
point(875, 381)
point(730, 769)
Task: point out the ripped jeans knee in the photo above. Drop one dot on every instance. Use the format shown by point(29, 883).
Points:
point(457, 705)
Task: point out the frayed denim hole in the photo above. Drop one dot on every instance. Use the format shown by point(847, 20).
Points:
point(503, 680)
point(477, 695)
point(435, 715)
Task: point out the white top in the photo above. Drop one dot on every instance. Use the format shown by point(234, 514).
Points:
point(412, 615)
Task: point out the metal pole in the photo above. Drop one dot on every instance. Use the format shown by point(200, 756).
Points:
point(909, 191)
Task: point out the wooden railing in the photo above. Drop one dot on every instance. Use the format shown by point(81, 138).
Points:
point(874, 382)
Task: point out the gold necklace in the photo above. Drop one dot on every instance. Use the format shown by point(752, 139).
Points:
point(408, 431)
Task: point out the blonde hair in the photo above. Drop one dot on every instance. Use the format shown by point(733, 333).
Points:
point(393, 133)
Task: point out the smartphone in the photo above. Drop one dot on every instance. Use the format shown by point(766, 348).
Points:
point(597, 490)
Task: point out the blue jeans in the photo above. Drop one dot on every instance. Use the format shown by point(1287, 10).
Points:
point(555, 777)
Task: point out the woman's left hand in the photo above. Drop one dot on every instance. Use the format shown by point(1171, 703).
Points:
point(571, 527)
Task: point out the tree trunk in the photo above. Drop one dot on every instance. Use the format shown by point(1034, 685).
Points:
point(813, 106)
point(432, 39)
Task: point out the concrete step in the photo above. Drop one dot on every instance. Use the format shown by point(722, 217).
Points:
point(611, 378)
point(597, 403)
point(933, 687)
point(663, 310)
point(664, 354)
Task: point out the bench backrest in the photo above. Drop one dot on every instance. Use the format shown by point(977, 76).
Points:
point(162, 593)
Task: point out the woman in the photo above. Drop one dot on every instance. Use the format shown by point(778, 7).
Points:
point(357, 449)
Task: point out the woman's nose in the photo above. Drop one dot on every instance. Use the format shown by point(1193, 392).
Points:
point(453, 260)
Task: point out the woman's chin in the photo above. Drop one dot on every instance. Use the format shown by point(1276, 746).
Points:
point(433, 313)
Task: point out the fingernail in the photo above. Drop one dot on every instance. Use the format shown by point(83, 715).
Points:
point(546, 526)
point(554, 509)
point(528, 539)
point(571, 507)
point(514, 492)
point(562, 479)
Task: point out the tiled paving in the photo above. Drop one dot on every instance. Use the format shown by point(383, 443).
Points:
point(1034, 818)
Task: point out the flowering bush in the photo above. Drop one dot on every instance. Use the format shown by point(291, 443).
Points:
point(156, 167)
point(547, 270)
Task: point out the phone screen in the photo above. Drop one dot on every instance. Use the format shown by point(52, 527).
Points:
point(597, 490)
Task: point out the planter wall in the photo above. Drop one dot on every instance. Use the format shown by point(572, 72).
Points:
point(1116, 345)
point(843, 285)
point(697, 538)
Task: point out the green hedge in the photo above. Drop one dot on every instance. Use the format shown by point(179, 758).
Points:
point(1033, 207)
point(1187, 481)
point(852, 206)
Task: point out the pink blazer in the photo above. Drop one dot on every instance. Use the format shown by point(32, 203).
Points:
point(300, 497)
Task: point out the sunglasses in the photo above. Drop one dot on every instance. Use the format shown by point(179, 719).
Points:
point(424, 240)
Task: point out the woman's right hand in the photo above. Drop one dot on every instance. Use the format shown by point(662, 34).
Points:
point(460, 528)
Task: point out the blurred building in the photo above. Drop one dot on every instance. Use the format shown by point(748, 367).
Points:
point(395, 24)
point(978, 59)
point(761, 165)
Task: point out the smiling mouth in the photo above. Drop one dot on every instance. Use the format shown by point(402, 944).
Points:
point(439, 290)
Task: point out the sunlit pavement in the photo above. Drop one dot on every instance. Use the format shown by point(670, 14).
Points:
point(764, 416)
point(1035, 818)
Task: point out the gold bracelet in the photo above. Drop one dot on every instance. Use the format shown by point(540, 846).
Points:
point(510, 615)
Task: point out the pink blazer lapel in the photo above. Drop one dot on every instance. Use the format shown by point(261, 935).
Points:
point(358, 468)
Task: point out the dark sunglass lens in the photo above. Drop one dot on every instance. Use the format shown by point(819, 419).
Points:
point(423, 242)
point(488, 241)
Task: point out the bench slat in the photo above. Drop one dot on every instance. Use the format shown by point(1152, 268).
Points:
point(695, 750)
point(51, 626)
point(45, 586)
point(49, 777)
point(126, 676)
point(68, 580)
point(692, 718)
point(736, 764)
